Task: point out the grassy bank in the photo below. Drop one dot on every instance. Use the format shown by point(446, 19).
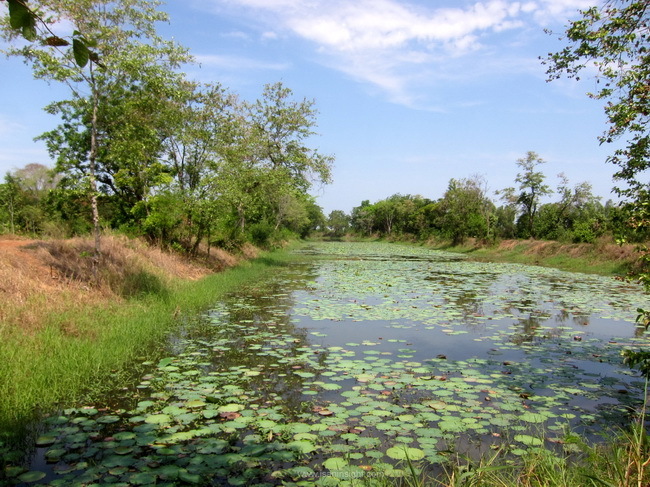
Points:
point(604, 257)
point(75, 339)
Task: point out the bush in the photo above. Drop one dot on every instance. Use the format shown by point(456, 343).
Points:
point(583, 233)
point(260, 233)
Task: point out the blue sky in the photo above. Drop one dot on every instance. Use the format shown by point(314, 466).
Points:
point(410, 93)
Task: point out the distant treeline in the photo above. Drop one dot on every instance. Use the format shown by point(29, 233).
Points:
point(225, 202)
point(466, 210)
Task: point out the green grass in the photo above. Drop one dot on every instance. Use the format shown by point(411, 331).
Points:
point(84, 352)
point(592, 262)
point(622, 461)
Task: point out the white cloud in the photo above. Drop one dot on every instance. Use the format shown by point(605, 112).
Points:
point(392, 44)
point(560, 10)
point(9, 128)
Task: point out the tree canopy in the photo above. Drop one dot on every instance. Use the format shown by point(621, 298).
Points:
point(615, 40)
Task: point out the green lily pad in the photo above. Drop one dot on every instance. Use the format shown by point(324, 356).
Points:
point(529, 440)
point(31, 476)
point(404, 452)
point(230, 408)
point(335, 464)
point(108, 419)
point(45, 440)
point(158, 419)
point(55, 454)
point(189, 478)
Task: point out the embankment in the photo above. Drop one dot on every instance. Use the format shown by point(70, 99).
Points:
point(603, 257)
point(64, 337)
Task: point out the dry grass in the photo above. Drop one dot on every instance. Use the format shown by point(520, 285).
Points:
point(604, 247)
point(39, 278)
point(604, 256)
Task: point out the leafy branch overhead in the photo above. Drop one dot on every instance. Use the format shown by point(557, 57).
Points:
point(25, 20)
point(22, 18)
point(615, 40)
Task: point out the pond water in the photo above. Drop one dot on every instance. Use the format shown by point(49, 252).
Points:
point(341, 366)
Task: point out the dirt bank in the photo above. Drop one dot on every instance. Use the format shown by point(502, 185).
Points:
point(45, 276)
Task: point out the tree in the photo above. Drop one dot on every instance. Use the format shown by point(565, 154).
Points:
point(464, 210)
point(615, 40)
point(25, 21)
point(531, 189)
point(338, 223)
point(11, 198)
point(202, 138)
point(36, 178)
point(315, 217)
point(281, 127)
point(386, 213)
point(362, 218)
point(123, 33)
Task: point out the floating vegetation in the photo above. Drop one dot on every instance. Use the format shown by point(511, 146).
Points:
point(339, 367)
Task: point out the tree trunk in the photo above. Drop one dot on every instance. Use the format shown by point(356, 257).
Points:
point(92, 177)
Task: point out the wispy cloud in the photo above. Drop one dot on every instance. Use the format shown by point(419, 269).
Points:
point(393, 45)
point(9, 128)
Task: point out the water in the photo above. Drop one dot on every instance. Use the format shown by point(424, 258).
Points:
point(343, 365)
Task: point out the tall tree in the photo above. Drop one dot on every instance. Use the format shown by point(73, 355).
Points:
point(338, 223)
point(108, 33)
point(527, 196)
point(464, 210)
point(362, 218)
point(282, 127)
point(615, 39)
point(11, 197)
point(201, 138)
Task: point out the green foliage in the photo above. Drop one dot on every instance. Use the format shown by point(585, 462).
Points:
point(260, 233)
point(638, 359)
point(396, 215)
point(465, 211)
point(614, 39)
point(527, 197)
point(583, 232)
point(163, 216)
point(158, 155)
point(22, 18)
point(338, 223)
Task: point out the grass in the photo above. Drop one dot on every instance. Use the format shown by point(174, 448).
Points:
point(603, 257)
point(622, 461)
point(75, 341)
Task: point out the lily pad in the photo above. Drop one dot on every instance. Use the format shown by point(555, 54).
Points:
point(31, 476)
point(158, 419)
point(529, 440)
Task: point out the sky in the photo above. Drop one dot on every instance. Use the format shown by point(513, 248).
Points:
point(409, 93)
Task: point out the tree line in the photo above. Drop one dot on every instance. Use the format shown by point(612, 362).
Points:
point(466, 210)
point(142, 149)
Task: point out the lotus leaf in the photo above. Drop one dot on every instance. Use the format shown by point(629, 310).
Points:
point(158, 419)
